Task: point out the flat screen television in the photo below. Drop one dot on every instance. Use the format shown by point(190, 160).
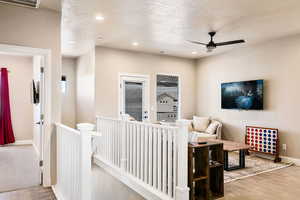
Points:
point(244, 95)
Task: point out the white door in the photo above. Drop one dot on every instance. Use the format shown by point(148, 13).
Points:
point(38, 108)
point(134, 96)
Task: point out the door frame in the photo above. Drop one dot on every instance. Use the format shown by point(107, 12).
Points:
point(179, 94)
point(134, 77)
point(47, 129)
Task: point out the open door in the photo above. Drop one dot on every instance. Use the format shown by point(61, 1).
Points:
point(38, 109)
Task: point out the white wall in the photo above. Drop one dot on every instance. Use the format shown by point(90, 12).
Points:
point(39, 28)
point(277, 62)
point(111, 62)
point(69, 98)
point(107, 187)
point(85, 88)
point(19, 78)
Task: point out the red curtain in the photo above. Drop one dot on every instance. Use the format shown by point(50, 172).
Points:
point(6, 131)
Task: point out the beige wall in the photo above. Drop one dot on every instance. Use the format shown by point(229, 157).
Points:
point(105, 186)
point(69, 98)
point(277, 62)
point(85, 88)
point(20, 79)
point(111, 62)
point(39, 28)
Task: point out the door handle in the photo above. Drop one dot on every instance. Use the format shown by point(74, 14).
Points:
point(39, 123)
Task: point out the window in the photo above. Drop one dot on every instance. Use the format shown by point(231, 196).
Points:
point(167, 95)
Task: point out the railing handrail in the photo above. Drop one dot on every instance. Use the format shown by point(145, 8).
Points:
point(73, 163)
point(68, 128)
point(155, 154)
point(139, 123)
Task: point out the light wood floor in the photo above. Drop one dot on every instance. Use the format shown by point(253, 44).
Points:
point(283, 184)
point(35, 193)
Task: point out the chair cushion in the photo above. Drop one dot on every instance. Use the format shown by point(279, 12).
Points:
point(211, 129)
point(200, 123)
point(194, 136)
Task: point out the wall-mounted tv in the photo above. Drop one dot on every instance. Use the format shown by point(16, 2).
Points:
point(244, 95)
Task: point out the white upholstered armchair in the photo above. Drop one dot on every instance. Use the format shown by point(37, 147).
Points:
point(204, 128)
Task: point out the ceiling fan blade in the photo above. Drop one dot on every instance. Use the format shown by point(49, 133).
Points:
point(195, 42)
point(230, 42)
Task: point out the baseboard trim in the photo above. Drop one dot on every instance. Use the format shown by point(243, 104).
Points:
point(296, 161)
point(21, 142)
point(56, 193)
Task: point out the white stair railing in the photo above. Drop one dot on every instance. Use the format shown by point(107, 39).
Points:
point(73, 164)
point(154, 155)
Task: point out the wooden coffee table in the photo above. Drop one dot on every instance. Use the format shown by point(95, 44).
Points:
point(229, 146)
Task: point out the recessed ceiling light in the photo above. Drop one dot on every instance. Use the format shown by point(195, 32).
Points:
point(99, 18)
point(194, 52)
point(135, 44)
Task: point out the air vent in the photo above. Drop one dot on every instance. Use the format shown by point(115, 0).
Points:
point(26, 3)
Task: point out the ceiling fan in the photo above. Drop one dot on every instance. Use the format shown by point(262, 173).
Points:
point(212, 45)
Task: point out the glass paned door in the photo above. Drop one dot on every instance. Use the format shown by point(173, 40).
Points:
point(134, 94)
point(134, 100)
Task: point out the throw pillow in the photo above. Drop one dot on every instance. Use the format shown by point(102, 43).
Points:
point(190, 127)
point(200, 123)
point(211, 129)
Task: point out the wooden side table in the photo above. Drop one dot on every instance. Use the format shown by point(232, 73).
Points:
point(206, 170)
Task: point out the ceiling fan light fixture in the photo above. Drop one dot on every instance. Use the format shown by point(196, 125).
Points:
point(212, 45)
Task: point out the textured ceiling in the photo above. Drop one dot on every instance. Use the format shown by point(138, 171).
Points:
point(165, 25)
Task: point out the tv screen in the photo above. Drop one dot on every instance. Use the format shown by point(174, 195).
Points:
point(246, 95)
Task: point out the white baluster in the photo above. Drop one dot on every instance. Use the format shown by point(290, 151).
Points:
point(182, 190)
point(85, 165)
point(142, 155)
point(150, 157)
point(170, 164)
point(159, 158)
point(131, 147)
point(138, 151)
point(134, 149)
point(155, 147)
point(165, 159)
point(146, 153)
point(124, 143)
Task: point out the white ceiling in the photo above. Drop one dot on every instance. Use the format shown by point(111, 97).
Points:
point(165, 25)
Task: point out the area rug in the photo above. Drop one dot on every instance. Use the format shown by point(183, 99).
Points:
point(19, 168)
point(254, 166)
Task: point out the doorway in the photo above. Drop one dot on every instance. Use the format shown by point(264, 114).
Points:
point(134, 96)
point(30, 152)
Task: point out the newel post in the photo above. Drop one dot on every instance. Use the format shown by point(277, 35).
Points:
point(85, 164)
point(182, 189)
point(124, 119)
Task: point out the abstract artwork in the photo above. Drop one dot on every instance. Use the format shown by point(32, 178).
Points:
point(247, 95)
